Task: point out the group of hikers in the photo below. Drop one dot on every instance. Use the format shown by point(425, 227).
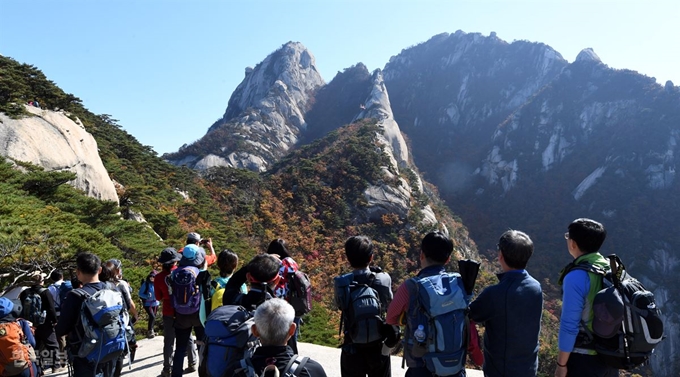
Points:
point(246, 322)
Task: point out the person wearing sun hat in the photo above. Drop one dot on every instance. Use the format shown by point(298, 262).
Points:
point(10, 313)
point(194, 260)
point(169, 258)
point(194, 241)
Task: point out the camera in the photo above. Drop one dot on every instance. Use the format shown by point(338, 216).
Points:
point(203, 242)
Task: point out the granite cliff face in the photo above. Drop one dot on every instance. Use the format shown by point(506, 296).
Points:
point(265, 115)
point(52, 140)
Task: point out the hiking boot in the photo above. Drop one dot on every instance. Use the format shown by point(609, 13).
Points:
point(190, 369)
point(151, 335)
point(166, 372)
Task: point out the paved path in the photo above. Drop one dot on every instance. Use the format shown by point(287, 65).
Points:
point(149, 360)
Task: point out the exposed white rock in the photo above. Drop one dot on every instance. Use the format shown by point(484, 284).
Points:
point(209, 161)
point(588, 54)
point(384, 199)
point(588, 182)
point(52, 140)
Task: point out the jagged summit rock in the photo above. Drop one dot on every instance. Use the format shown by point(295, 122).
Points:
point(669, 87)
point(588, 54)
point(265, 115)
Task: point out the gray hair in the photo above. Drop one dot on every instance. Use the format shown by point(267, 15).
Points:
point(273, 319)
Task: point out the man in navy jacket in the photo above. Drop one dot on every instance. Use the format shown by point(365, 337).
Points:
point(511, 312)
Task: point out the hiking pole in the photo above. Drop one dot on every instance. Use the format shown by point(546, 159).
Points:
point(613, 259)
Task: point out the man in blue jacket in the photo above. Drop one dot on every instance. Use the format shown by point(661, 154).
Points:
point(511, 312)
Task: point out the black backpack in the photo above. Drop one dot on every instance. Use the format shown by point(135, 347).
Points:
point(641, 328)
point(32, 306)
point(361, 308)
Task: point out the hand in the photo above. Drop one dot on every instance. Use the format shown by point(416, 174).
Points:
point(560, 371)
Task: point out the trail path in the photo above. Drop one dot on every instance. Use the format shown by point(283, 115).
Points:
point(149, 360)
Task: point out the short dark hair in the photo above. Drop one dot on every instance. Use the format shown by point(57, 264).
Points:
point(516, 248)
point(88, 263)
point(106, 274)
point(56, 275)
point(437, 247)
point(359, 250)
point(227, 261)
point(278, 247)
point(264, 267)
point(588, 234)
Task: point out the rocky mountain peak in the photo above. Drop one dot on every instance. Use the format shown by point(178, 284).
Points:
point(291, 65)
point(588, 54)
point(265, 115)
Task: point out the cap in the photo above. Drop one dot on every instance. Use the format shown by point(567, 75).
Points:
point(169, 254)
point(193, 237)
point(192, 255)
point(607, 312)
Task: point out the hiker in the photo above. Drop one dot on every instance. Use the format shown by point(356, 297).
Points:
point(436, 249)
point(362, 348)
point(511, 312)
point(88, 267)
point(194, 240)
point(59, 290)
point(227, 261)
point(38, 308)
point(169, 258)
point(262, 273)
point(188, 284)
point(283, 288)
point(577, 356)
point(57, 278)
point(113, 268)
point(274, 325)
point(146, 293)
point(17, 344)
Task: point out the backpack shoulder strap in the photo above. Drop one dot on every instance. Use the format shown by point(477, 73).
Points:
point(246, 368)
point(290, 365)
point(295, 370)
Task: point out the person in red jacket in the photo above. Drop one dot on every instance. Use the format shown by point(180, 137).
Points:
point(169, 258)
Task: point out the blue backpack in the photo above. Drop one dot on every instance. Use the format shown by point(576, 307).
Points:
point(229, 340)
point(440, 305)
point(184, 290)
point(361, 309)
point(104, 320)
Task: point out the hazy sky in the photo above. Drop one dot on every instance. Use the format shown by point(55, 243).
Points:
point(166, 69)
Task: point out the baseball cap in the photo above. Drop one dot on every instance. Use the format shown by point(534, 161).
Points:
point(193, 237)
point(607, 313)
point(169, 254)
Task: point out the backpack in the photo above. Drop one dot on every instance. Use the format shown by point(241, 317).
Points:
point(64, 289)
point(641, 328)
point(184, 291)
point(361, 309)
point(103, 320)
point(293, 369)
point(218, 285)
point(299, 294)
point(32, 306)
point(228, 340)
point(439, 304)
point(16, 354)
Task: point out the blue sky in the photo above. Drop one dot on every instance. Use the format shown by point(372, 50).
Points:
point(166, 69)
